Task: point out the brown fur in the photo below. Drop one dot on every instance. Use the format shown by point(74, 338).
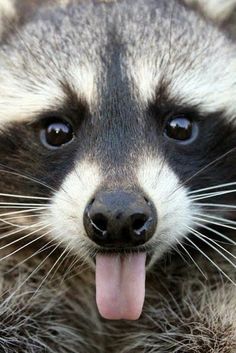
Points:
point(183, 312)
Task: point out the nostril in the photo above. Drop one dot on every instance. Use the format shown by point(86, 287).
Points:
point(100, 222)
point(138, 221)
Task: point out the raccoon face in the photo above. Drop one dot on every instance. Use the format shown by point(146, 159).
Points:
point(117, 135)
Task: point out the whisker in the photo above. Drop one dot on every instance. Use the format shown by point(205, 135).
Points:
point(23, 217)
point(216, 223)
point(33, 272)
point(215, 161)
point(24, 196)
point(24, 204)
point(209, 195)
point(24, 211)
point(9, 222)
point(212, 188)
point(13, 171)
point(23, 237)
point(214, 205)
point(24, 246)
point(45, 247)
point(220, 246)
point(204, 239)
point(69, 268)
point(20, 230)
point(216, 232)
point(22, 208)
point(228, 221)
point(190, 256)
point(211, 261)
point(83, 266)
point(50, 271)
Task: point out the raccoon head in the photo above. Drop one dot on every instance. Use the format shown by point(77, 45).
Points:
point(118, 135)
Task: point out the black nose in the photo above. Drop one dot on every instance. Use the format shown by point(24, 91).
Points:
point(119, 219)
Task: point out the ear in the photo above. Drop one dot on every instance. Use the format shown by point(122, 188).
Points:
point(217, 10)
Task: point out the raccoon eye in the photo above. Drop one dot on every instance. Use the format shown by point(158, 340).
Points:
point(56, 133)
point(181, 129)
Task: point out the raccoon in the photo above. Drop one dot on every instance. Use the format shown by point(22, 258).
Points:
point(117, 189)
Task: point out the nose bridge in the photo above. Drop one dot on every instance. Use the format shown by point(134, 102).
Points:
point(118, 111)
point(119, 144)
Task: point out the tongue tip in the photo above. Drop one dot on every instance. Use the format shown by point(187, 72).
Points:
point(109, 314)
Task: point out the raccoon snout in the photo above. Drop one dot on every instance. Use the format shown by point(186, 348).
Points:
point(120, 219)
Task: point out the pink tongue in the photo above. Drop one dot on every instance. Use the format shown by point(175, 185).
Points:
point(120, 286)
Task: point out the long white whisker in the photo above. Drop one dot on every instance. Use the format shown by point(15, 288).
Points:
point(204, 239)
point(209, 195)
point(212, 188)
point(20, 217)
point(11, 222)
point(228, 221)
point(24, 246)
point(24, 196)
point(45, 247)
point(20, 230)
point(33, 272)
point(23, 237)
point(190, 256)
point(211, 261)
point(215, 205)
point(68, 257)
point(25, 177)
point(20, 212)
point(216, 232)
point(83, 267)
point(220, 246)
point(215, 223)
point(27, 204)
point(23, 208)
point(212, 163)
point(50, 271)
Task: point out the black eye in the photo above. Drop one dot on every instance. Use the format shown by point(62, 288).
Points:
point(56, 133)
point(181, 129)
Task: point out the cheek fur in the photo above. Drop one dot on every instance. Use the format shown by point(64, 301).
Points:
point(171, 200)
point(69, 203)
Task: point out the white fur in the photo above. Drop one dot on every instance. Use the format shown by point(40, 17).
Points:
point(170, 199)
point(18, 103)
point(22, 99)
point(145, 76)
point(81, 78)
point(203, 84)
point(68, 205)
